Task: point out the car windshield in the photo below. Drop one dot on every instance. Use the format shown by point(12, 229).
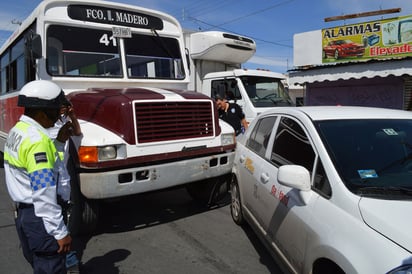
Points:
point(373, 157)
point(341, 42)
point(266, 91)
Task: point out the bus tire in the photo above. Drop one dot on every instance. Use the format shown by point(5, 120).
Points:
point(208, 192)
point(201, 191)
point(82, 215)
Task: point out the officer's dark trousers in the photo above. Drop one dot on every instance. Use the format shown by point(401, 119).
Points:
point(39, 248)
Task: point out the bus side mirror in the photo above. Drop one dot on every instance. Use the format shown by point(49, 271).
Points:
point(34, 46)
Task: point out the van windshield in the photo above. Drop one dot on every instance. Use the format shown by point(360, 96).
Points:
point(266, 91)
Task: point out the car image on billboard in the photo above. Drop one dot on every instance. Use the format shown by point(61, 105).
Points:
point(344, 48)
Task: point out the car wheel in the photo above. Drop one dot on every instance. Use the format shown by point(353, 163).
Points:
point(236, 204)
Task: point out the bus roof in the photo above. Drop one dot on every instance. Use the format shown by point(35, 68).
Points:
point(128, 13)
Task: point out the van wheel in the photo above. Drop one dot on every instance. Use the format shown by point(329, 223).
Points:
point(236, 203)
point(82, 214)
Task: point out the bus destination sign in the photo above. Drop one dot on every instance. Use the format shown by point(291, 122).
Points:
point(114, 17)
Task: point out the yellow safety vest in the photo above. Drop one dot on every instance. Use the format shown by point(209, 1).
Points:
point(31, 176)
point(30, 150)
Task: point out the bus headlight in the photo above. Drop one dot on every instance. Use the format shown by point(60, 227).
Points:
point(107, 153)
point(227, 139)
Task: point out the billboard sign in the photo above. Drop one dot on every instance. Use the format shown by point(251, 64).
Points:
point(382, 39)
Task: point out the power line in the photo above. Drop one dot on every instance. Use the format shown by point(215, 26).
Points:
point(254, 38)
point(254, 13)
point(197, 3)
point(210, 7)
point(219, 26)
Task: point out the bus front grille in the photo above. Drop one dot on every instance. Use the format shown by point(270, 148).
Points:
point(168, 121)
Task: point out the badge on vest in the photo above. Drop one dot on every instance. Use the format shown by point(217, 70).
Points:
point(40, 157)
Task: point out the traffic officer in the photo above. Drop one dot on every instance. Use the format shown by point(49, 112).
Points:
point(30, 165)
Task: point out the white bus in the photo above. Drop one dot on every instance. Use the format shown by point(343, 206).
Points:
point(124, 69)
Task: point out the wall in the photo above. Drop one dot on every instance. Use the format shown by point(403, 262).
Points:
point(375, 92)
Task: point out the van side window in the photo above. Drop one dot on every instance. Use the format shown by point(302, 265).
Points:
point(226, 88)
point(292, 145)
point(259, 138)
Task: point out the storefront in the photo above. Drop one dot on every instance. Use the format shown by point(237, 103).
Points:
point(366, 64)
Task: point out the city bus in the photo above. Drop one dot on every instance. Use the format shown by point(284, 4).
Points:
point(125, 70)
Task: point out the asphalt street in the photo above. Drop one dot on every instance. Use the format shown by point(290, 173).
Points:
point(162, 232)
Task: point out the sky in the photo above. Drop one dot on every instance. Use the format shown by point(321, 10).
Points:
point(271, 23)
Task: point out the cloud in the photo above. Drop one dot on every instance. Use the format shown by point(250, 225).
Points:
point(268, 61)
point(6, 22)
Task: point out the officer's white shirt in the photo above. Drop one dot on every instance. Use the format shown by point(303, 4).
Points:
point(43, 199)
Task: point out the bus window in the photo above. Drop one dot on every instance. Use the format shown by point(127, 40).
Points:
point(17, 65)
point(82, 52)
point(4, 72)
point(13, 67)
point(153, 57)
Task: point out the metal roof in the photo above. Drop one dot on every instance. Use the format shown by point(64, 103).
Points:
point(346, 71)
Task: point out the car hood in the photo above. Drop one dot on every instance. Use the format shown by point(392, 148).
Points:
point(391, 218)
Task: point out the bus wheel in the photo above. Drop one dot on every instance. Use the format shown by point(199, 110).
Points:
point(200, 191)
point(209, 192)
point(82, 214)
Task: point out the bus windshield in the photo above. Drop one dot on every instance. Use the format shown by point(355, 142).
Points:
point(153, 57)
point(85, 52)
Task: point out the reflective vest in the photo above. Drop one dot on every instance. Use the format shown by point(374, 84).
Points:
point(31, 175)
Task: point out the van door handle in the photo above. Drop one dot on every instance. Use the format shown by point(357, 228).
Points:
point(264, 178)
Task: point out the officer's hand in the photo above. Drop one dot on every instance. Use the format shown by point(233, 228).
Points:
point(64, 244)
point(65, 132)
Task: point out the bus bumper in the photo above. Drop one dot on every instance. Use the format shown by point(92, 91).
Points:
point(130, 181)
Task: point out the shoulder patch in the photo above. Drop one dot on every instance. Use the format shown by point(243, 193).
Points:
point(40, 157)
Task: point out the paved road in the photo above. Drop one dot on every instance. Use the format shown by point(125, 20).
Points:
point(164, 232)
